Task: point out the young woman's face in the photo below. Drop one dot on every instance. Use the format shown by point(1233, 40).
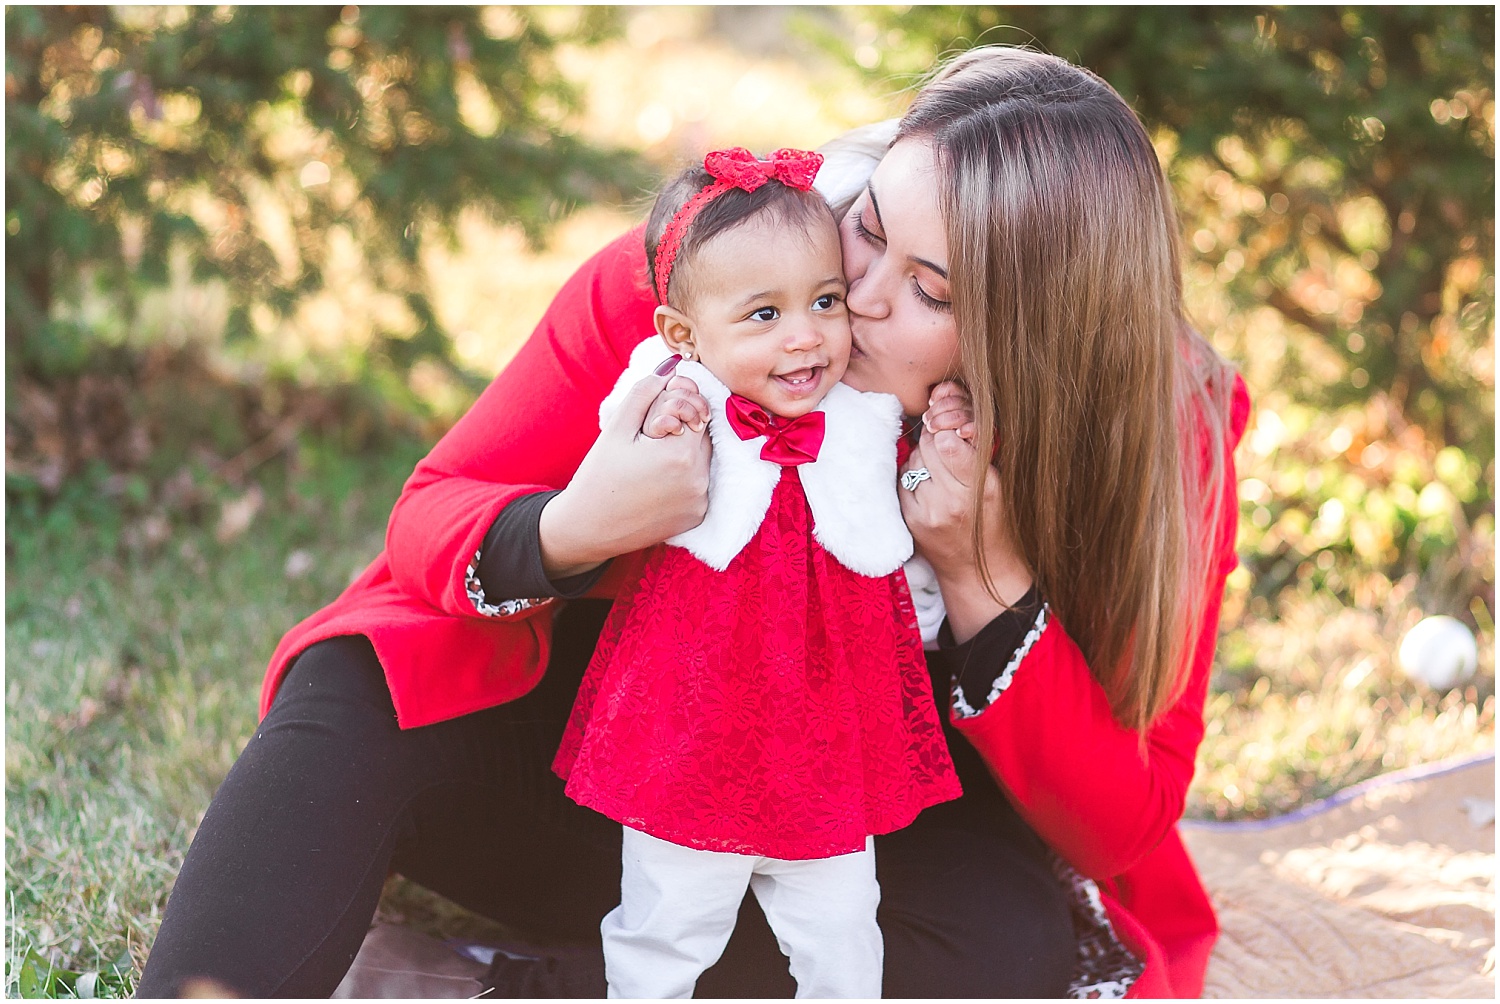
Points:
point(896, 260)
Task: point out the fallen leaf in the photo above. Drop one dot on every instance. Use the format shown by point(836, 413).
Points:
point(202, 987)
point(299, 563)
point(237, 515)
point(156, 529)
point(1481, 811)
point(88, 710)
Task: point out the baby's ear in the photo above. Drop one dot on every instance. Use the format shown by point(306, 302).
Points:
point(676, 329)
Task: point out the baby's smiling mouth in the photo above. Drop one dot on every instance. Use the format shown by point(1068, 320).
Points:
point(800, 380)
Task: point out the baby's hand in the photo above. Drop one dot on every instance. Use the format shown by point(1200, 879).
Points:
point(677, 408)
point(949, 408)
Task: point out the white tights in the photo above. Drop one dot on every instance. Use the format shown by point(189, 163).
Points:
point(678, 906)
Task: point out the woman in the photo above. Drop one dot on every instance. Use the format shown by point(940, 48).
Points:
point(1017, 235)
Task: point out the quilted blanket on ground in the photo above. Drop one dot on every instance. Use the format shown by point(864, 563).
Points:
point(1385, 891)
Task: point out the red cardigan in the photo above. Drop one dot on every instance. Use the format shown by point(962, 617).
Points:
point(1072, 772)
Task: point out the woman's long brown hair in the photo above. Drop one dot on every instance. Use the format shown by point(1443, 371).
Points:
point(1067, 295)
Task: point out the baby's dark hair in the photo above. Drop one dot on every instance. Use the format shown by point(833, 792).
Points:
point(788, 205)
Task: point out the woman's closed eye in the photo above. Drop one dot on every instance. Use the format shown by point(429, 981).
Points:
point(864, 232)
point(928, 300)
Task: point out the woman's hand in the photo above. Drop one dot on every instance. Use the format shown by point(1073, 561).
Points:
point(631, 490)
point(939, 513)
point(677, 409)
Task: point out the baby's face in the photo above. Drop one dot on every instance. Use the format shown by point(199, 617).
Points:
point(768, 315)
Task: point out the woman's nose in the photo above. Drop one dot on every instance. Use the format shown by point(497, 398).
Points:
point(865, 296)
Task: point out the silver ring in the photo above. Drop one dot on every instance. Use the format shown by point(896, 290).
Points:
point(914, 477)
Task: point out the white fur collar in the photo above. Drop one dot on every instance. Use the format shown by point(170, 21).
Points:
point(850, 488)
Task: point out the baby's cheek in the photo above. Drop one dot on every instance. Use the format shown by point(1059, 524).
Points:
point(838, 348)
point(838, 365)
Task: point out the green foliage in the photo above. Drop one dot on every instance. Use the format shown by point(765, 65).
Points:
point(257, 141)
point(131, 686)
point(31, 976)
point(1334, 168)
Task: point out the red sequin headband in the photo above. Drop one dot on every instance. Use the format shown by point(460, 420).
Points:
point(732, 168)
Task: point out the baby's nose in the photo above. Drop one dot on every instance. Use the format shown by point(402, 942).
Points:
point(803, 336)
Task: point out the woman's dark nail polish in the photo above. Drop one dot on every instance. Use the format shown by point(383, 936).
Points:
point(668, 365)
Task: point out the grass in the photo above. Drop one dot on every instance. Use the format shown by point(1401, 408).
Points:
point(1310, 701)
point(134, 659)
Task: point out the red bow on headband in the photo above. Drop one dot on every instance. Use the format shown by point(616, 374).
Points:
point(732, 168)
point(740, 168)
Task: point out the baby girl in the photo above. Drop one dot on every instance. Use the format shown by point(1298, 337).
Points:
point(758, 706)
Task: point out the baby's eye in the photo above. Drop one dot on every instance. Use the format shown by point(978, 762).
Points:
point(826, 302)
point(766, 314)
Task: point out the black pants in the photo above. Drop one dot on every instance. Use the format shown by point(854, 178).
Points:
point(285, 872)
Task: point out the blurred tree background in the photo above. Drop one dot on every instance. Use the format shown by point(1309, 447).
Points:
point(1335, 173)
point(256, 154)
point(258, 258)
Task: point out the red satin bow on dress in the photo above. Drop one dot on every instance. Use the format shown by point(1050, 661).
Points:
point(789, 442)
point(732, 168)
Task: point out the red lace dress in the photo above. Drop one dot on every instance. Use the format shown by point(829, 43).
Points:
point(780, 707)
